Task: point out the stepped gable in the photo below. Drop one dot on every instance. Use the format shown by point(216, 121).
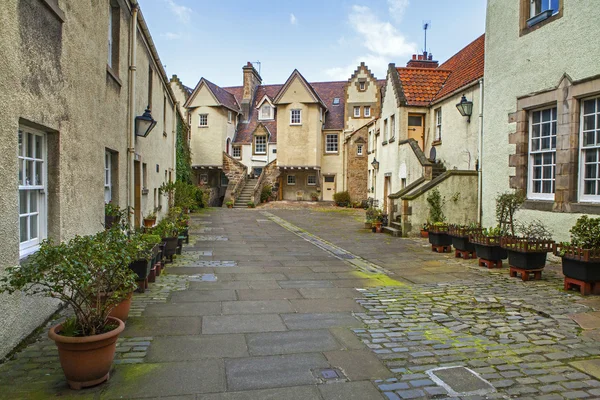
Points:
point(467, 66)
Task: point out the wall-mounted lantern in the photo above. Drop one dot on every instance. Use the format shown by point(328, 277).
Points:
point(144, 123)
point(375, 164)
point(465, 108)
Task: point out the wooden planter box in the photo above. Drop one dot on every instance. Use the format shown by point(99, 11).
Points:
point(580, 264)
point(526, 254)
point(462, 243)
point(439, 239)
point(488, 247)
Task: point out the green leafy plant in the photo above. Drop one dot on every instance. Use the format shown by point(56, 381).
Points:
point(507, 205)
point(265, 193)
point(342, 199)
point(166, 228)
point(585, 233)
point(152, 215)
point(250, 204)
point(533, 230)
point(314, 196)
point(493, 231)
point(229, 203)
point(436, 204)
point(89, 273)
point(374, 214)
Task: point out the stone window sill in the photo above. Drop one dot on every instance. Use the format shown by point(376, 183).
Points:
point(384, 143)
point(113, 75)
point(575, 208)
point(53, 6)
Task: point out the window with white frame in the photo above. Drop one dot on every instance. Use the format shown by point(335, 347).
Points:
point(260, 145)
point(311, 180)
point(438, 124)
point(336, 101)
point(203, 120)
point(356, 112)
point(359, 150)
point(331, 143)
point(367, 111)
point(229, 116)
point(107, 176)
point(540, 6)
point(266, 111)
point(237, 152)
point(32, 189)
point(542, 153)
point(385, 129)
point(392, 126)
point(361, 85)
point(291, 179)
point(295, 117)
point(590, 151)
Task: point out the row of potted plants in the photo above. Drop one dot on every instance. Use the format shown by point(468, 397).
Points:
point(95, 275)
point(525, 245)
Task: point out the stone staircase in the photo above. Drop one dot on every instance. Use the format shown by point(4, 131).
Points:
point(246, 195)
point(437, 170)
point(395, 229)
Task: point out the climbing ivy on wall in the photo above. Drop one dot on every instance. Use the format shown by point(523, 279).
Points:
point(184, 156)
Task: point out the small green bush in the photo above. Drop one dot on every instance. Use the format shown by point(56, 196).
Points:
point(342, 199)
point(266, 192)
point(436, 203)
point(586, 233)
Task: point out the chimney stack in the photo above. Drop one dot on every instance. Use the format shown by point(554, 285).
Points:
point(424, 60)
point(251, 80)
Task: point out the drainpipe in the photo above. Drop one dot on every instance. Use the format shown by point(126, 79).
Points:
point(131, 111)
point(174, 138)
point(480, 172)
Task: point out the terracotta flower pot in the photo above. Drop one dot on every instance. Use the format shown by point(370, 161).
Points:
point(149, 223)
point(86, 361)
point(121, 311)
point(424, 233)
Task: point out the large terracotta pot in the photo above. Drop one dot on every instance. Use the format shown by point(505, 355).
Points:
point(121, 311)
point(86, 361)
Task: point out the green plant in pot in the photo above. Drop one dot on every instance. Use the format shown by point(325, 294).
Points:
point(150, 219)
point(251, 204)
point(581, 256)
point(113, 215)
point(89, 274)
point(424, 231)
point(229, 204)
point(527, 250)
point(460, 238)
point(168, 231)
point(142, 264)
point(437, 228)
point(488, 242)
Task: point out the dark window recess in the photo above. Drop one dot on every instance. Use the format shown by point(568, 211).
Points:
point(330, 179)
point(274, 151)
point(414, 120)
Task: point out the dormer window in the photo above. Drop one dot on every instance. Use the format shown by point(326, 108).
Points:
point(361, 85)
point(336, 101)
point(266, 112)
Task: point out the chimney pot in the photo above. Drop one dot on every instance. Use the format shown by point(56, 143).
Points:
point(414, 57)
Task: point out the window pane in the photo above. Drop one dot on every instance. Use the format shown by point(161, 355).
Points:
point(414, 120)
point(28, 172)
point(588, 138)
point(548, 158)
point(39, 172)
point(546, 115)
point(536, 117)
point(22, 201)
point(21, 172)
point(537, 173)
point(589, 106)
point(535, 131)
point(537, 186)
point(548, 172)
point(545, 130)
point(23, 229)
point(33, 227)
point(29, 145)
point(589, 187)
point(38, 147)
point(535, 145)
point(546, 143)
point(589, 122)
point(590, 171)
point(33, 201)
point(547, 187)
point(591, 156)
point(20, 143)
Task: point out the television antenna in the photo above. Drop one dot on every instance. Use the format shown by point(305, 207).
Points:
point(426, 26)
point(259, 65)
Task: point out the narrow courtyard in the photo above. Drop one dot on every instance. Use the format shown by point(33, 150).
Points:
point(272, 303)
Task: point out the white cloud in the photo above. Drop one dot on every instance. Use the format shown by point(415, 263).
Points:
point(172, 35)
point(182, 12)
point(397, 8)
point(293, 19)
point(383, 42)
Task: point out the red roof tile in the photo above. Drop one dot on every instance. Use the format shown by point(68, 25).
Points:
point(420, 85)
point(466, 66)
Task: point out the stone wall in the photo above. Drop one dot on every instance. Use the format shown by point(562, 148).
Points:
point(237, 174)
point(358, 167)
point(269, 177)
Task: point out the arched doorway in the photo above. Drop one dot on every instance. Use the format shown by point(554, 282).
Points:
point(228, 146)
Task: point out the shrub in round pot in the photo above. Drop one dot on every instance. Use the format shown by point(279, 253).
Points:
point(438, 235)
point(488, 245)
point(529, 249)
point(581, 256)
point(168, 232)
point(150, 220)
point(374, 218)
point(424, 232)
point(90, 274)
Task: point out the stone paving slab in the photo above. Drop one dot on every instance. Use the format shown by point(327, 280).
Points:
point(182, 309)
point(350, 391)
point(257, 307)
point(325, 306)
point(268, 294)
point(242, 324)
point(358, 365)
point(151, 326)
point(288, 393)
point(186, 348)
point(319, 320)
point(274, 371)
point(310, 341)
point(166, 379)
point(305, 284)
point(329, 293)
point(197, 296)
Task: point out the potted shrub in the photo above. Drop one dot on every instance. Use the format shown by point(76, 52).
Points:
point(439, 238)
point(314, 196)
point(528, 250)
point(342, 199)
point(460, 239)
point(581, 256)
point(150, 220)
point(373, 216)
point(265, 194)
point(112, 215)
point(424, 232)
point(250, 204)
point(168, 232)
point(229, 204)
point(90, 274)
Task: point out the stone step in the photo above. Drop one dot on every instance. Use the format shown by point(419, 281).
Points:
point(396, 225)
point(392, 231)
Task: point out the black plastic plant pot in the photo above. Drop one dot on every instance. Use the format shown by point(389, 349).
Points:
point(526, 260)
point(491, 253)
point(581, 270)
point(440, 239)
point(462, 243)
point(141, 268)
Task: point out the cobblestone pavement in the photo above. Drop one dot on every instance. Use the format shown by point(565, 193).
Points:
point(305, 304)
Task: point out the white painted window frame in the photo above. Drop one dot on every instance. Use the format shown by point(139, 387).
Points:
point(532, 153)
point(335, 143)
point(587, 198)
point(291, 182)
point(31, 245)
point(367, 111)
point(110, 35)
point(356, 111)
point(256, 144)
point(438, 124)
point(359, 150)
point(202, 118)
point(107, 176)
point(296, 116)
point(532, 10)
point(314, 182)
point(239, 151)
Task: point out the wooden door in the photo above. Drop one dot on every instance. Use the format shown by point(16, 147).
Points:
point(416, 128)
point(387, 188)
point(328, 187)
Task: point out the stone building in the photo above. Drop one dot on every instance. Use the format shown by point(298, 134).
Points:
point(309, 131)
point(421, 142)
point(72, 86)
point(542, 110)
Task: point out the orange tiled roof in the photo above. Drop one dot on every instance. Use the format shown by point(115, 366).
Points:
point(466, 66)
point(420, 85)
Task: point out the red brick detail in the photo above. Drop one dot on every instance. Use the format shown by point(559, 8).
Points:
point(441, 249)
point(464, 254)
point(525, 273)
point(490, 264)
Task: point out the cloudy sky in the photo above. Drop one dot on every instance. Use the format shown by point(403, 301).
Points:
point(324, 39)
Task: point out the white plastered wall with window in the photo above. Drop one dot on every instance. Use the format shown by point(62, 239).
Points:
point(520, 65)
point(333, 161)
point(459, 145)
